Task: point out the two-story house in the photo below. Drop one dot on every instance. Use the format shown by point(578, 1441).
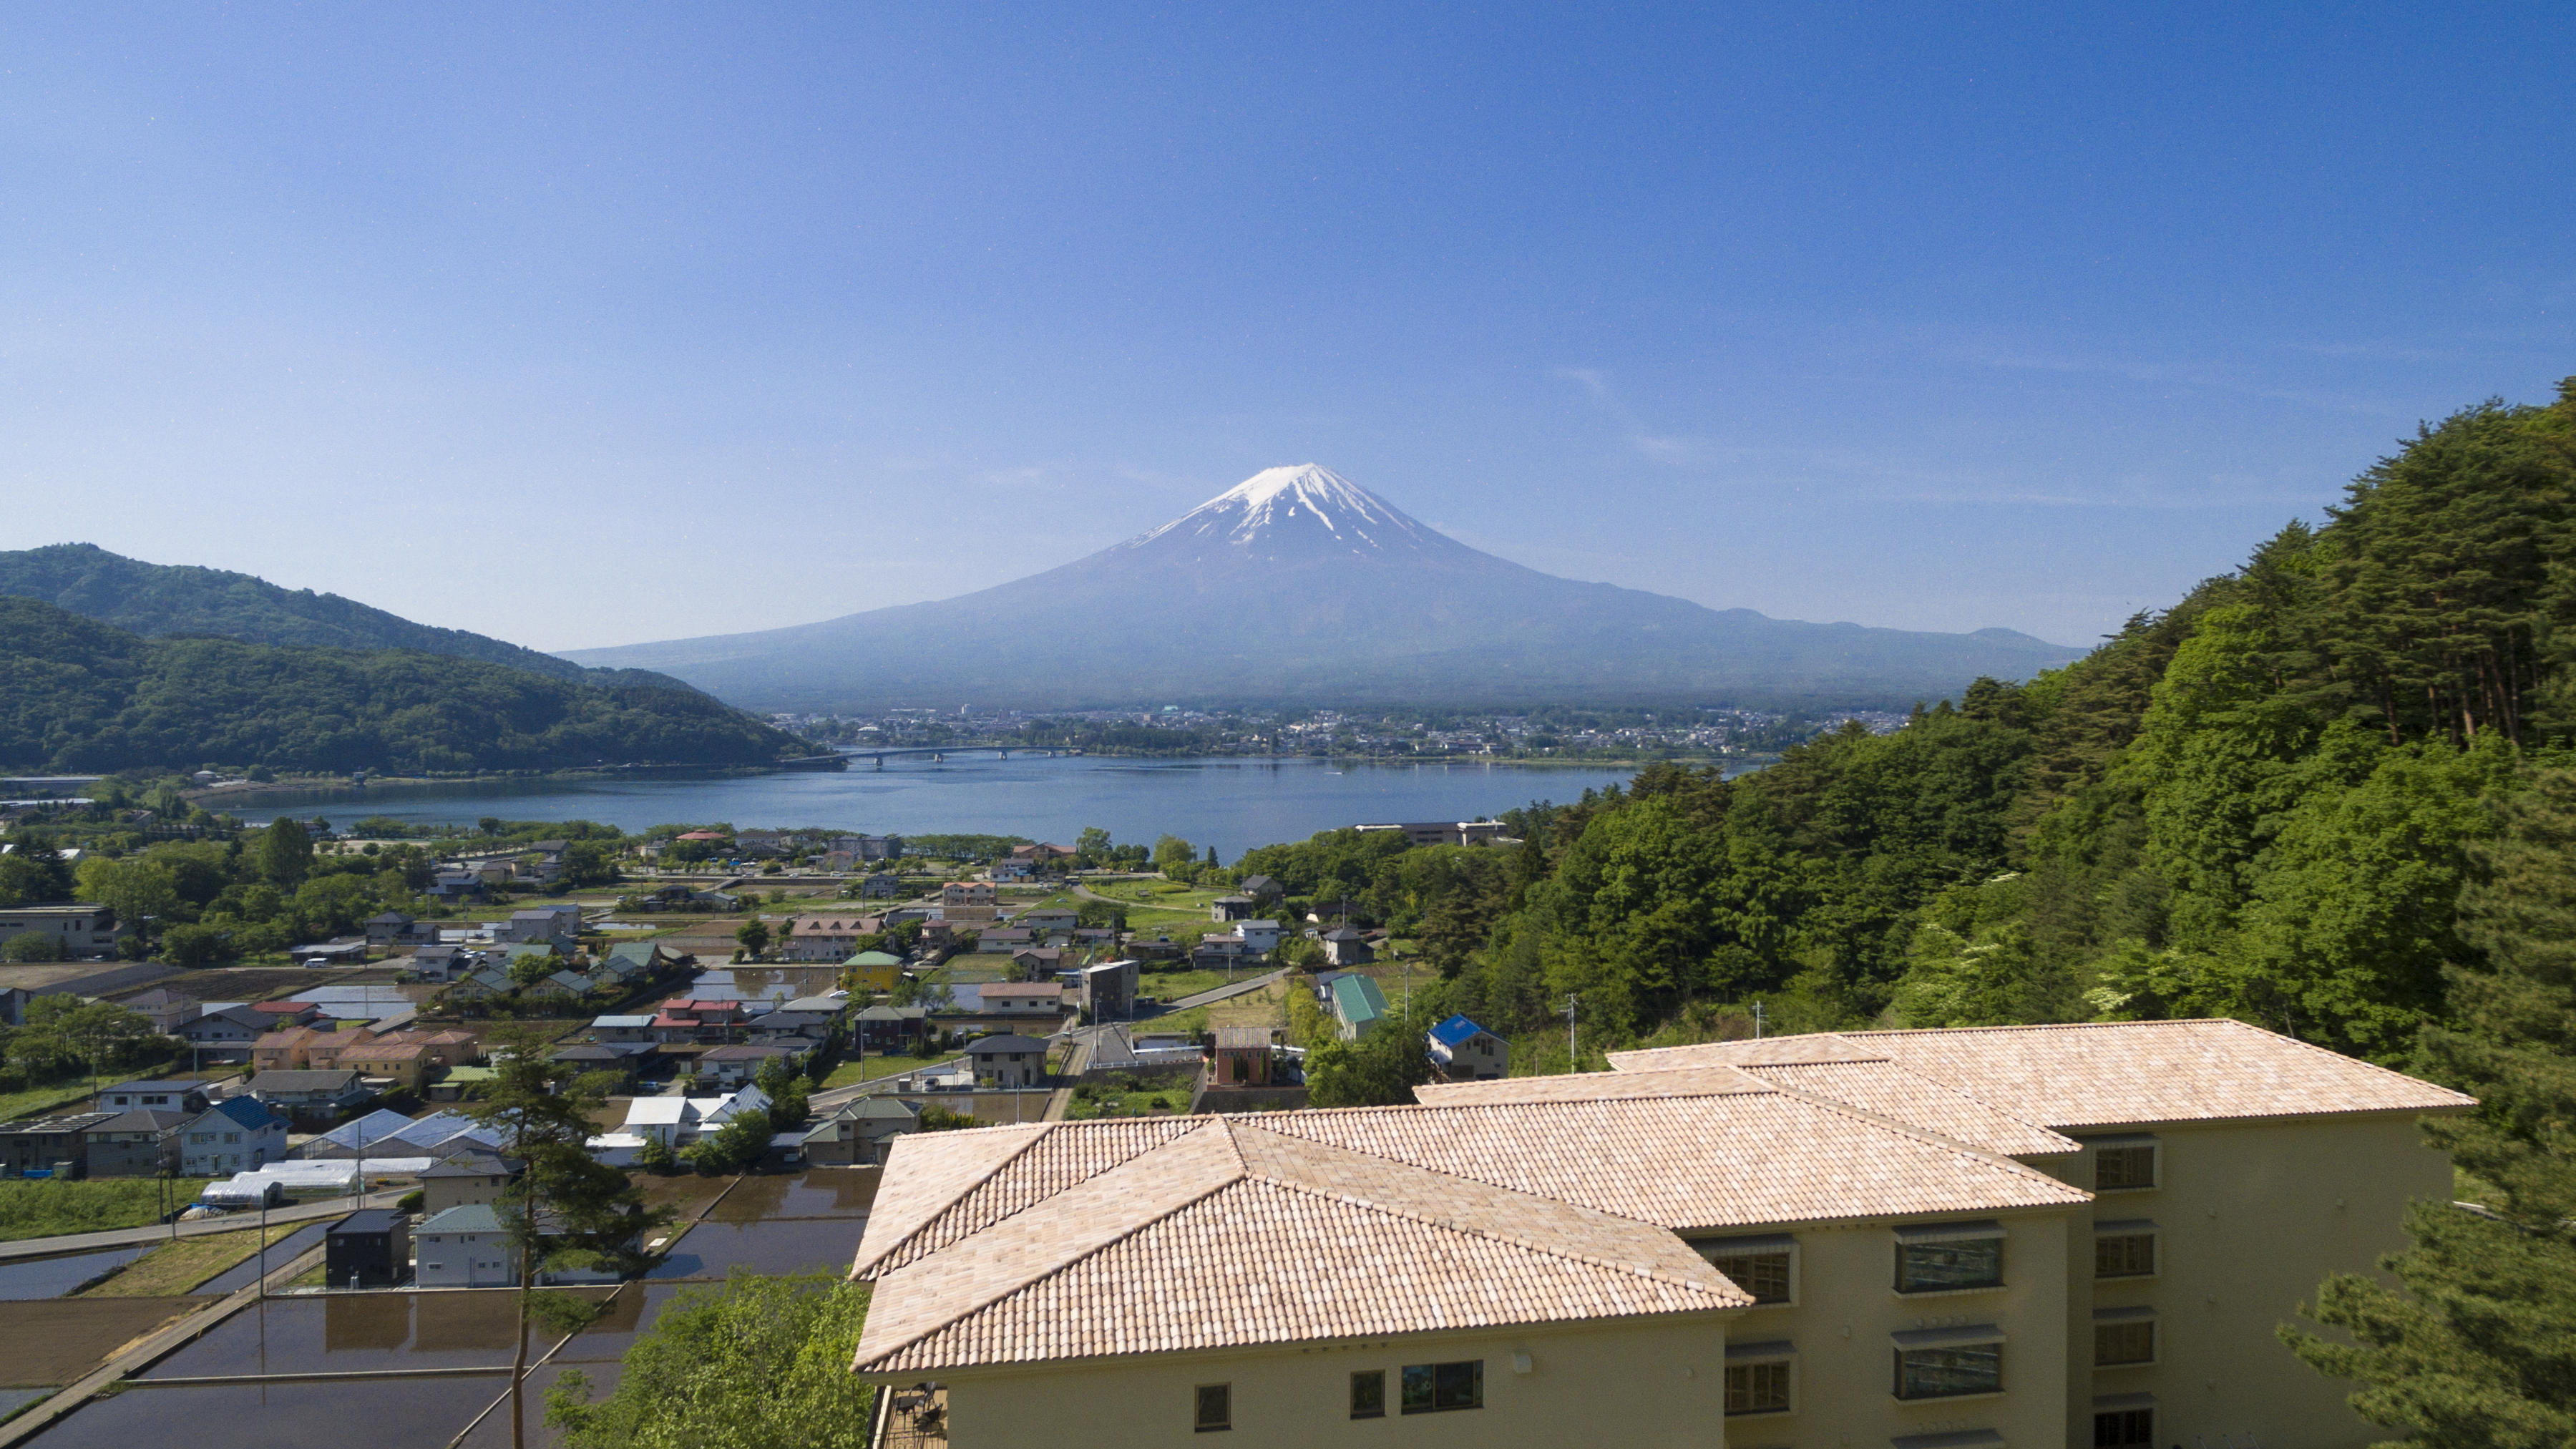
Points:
point(234, 1135)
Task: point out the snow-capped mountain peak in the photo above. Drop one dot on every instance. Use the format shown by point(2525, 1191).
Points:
point(1300, 509)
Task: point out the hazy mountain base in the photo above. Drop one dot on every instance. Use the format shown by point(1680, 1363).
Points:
point(77, 695)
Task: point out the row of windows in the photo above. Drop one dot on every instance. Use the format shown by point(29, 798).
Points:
point(1768, 1272)
point(1938, 1371)
point(1422, 1388)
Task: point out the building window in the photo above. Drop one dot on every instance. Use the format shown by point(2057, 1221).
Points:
point(1215, 1407)
point(1368, 1394)
point(2124, 1429)
point(1763, 1267)
point(1947, 1371)
point(1431, 1388)
point(1934, 1260)
point(2130, 1339)
point(1757, 1388)
point(2129, 1252)
point(2124, 1165)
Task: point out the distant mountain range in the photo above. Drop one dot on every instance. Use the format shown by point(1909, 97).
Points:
point(1299, 585)
point(239, 672)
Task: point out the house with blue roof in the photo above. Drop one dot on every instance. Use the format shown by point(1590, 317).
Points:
point(1466, 1052)
point(234, 1135)
point(1358, 1005)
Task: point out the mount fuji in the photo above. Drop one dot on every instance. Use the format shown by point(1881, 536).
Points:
point(1299, 585)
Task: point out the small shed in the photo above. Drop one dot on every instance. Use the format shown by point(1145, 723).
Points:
point(370, 1249)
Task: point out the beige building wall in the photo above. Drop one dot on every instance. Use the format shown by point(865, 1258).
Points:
point(1640, 1384)
point(2251, 1217)
point(1846, 1309)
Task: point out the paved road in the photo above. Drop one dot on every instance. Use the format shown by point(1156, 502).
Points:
point(1244, 987)
point(160, 1232)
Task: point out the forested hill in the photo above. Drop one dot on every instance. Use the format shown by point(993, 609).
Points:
point(158, 599)
point(78, 695)
point(2332, 793)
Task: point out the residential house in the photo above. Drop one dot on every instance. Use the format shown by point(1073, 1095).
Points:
point(306, 1048)
point(1022, 998)
point(830, 1006)
point(344, 951)
point(50, 1144)
point(685, 1019)
point(782, 1023)
point(404, 1063)
point(445, 1048)
point(458, 1083)
point(836, 862)
point(187, 1097)
point(1003, 938)
point(443, 963)
point(237, 1134)
point(309, 1093)
point(1042, 853)
point(1012, 870)
point(539, 925)
point(1259, 937)
point(644, 960)
point(859, 1132)
point(828, 938)
point(139, 1142)
point(625, 1059)
point(679, 1121)
point(891, 1028)
point(880, 886)
point(1219, 952)
point(166, 1010)
point(1262, 888)
point(871, 971)
point(966, 893)
point(453, 886)
point(620, 1028)
point(289, 1013)
point(561, 986)
point(388, 928)
point(1244, 1056)
point(81, 930)
point(1230, 908)
point(1358, 1005)
point(225, 1033)
point(367, 1249)
point(463, 1180)
point(464, 1247)
point(1009, 1061)
point(1039, 963)
point(1464, 1051)
point(1046, 919)
point(1344, 946)
point(2035, 1235)
point(735, 1066)
point(1108, 991)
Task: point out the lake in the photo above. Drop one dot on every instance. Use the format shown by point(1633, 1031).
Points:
point(1232, 804)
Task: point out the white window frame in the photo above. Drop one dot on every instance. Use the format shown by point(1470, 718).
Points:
point(1746, 1355)
point(2093, 1147)
point(1712, 1249)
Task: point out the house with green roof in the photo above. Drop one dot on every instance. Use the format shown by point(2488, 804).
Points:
point(1358, 1005)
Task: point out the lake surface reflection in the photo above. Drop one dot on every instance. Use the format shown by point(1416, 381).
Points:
point(1232, 804)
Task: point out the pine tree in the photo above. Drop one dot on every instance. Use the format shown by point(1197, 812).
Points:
point(2479, 1350)
point(567, 1209)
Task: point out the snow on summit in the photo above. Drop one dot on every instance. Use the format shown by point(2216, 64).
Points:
point(1307, 508)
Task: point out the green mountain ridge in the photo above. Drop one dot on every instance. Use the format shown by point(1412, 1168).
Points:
point(164, 600)
point(80, 695)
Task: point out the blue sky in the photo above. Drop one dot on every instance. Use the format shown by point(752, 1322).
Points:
point(603, 325)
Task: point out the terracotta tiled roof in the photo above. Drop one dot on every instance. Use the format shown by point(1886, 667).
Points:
point(1592, 1087)
point(985, 1178)
point(1698, 1162)
point(1230, 1234)
point(2105, 1074)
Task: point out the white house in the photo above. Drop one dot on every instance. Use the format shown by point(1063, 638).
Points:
point(1465, 1051)
point(463, 1247)
point(236, 1135)
point(1260, 937)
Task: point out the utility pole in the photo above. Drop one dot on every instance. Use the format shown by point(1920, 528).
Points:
point(1757, 1021)
point(1573, 1063)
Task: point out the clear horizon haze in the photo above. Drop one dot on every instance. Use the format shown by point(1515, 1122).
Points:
point(583, 326)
